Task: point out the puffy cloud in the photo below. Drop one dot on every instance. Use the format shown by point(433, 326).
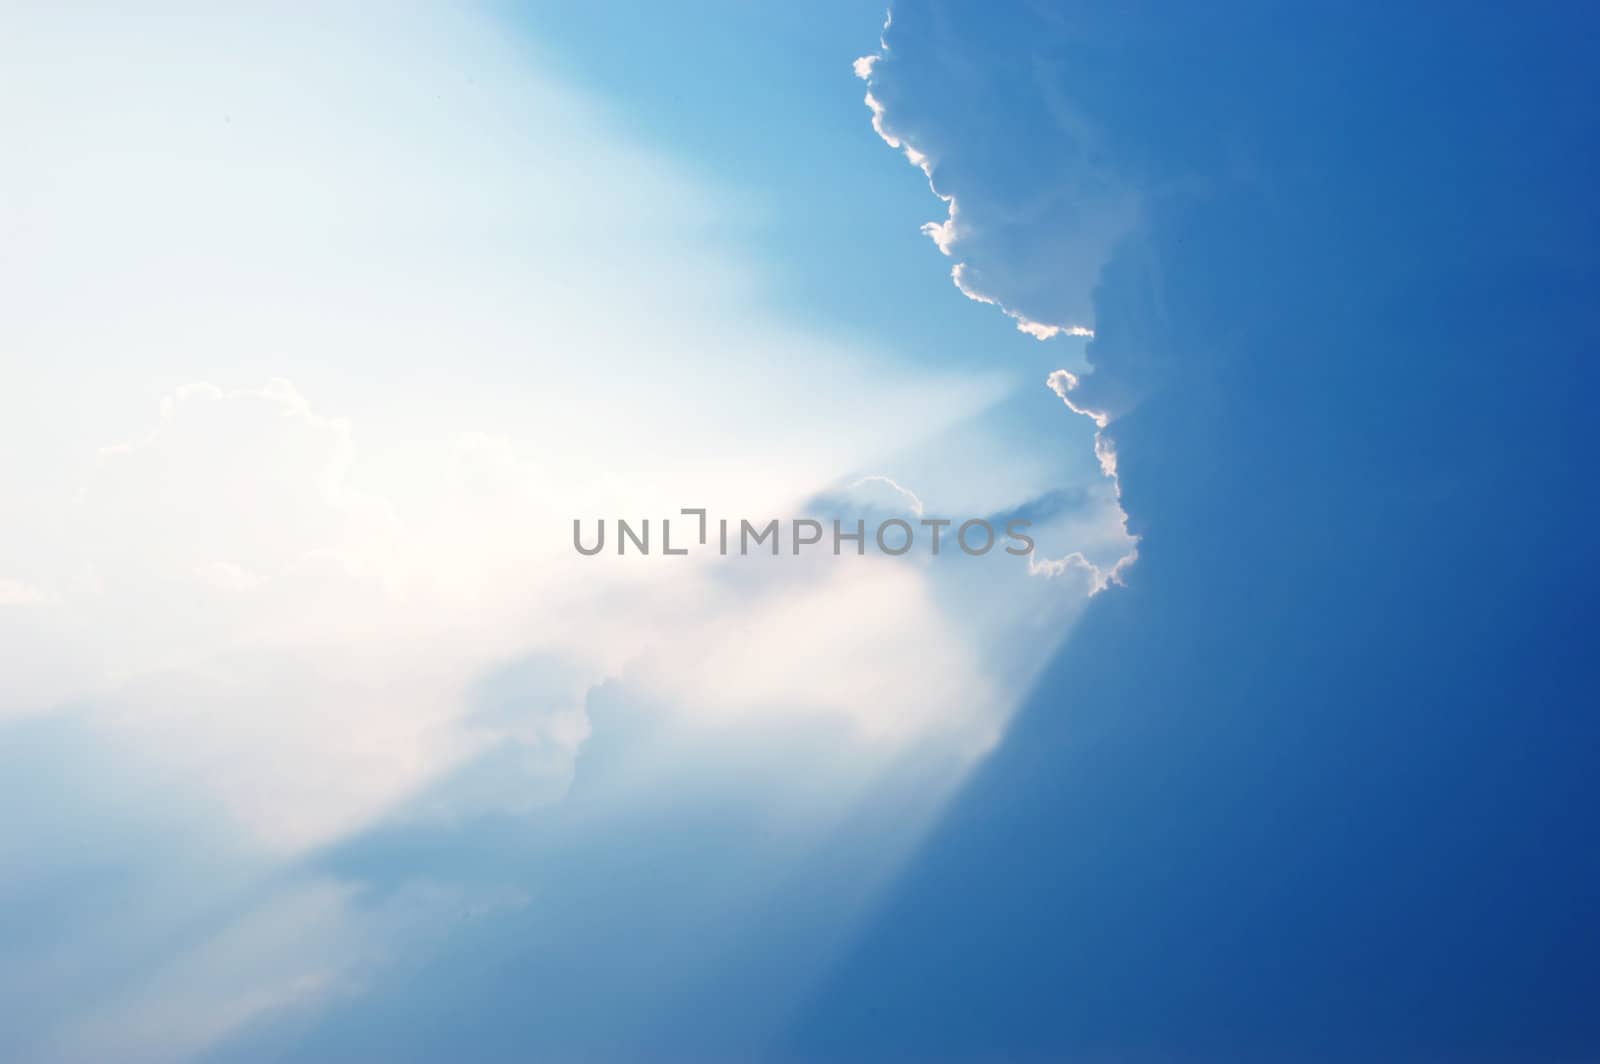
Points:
point(1098, 578)
point(1032, 213)
point(1064, 383)
point(1033, 251)
point(1340, 725)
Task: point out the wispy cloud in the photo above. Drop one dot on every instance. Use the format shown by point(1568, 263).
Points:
point(911, 496)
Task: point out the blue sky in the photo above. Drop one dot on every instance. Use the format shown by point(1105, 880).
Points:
point(326, 746)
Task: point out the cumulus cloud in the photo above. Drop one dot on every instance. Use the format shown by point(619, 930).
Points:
point(1318, 510)
point(1033, 214)
point(1034, 251)
point(1064, 383)
point(1098, 578)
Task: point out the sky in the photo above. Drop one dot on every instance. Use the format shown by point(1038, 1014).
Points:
point(322, 743)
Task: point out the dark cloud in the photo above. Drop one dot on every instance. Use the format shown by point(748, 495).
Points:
point(1315, 786)
point(966, 104)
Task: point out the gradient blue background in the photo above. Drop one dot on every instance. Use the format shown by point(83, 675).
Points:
point(1319, 783)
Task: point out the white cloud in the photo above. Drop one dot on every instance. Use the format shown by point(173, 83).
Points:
point(366, 336)
point(1034, 253)
point(904, 492)
point(1098, 578)
point(1064, 383)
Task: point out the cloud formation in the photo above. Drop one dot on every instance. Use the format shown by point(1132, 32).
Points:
point(1036, 252)
point(1032, 219)
point(1340, 725)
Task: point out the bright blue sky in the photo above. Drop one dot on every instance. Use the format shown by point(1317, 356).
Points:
point(331, 750)
point(762, 102)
